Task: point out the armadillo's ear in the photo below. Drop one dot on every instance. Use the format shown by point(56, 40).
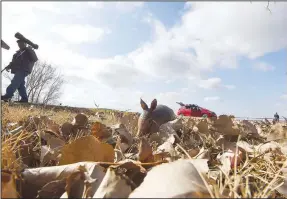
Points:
point(144, 105)
point(153, 104)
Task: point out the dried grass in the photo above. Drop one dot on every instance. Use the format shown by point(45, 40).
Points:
point(256, 177)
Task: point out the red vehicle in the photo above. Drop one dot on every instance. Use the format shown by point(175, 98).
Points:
point(194, 110)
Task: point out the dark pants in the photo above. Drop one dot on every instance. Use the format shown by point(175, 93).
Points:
point(17, 83)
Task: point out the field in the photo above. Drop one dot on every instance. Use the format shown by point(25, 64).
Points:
point(61, 152)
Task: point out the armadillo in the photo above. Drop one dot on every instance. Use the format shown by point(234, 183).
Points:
point(152, 118)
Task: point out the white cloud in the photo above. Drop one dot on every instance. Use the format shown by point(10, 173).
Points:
point(278, 104)
point(166, 98)
point(210, 83)
point(284, 97)
point(230, 87)
point(97, 5)
point(214, 98)
point(128, 6)
point(230, 29)
point(210, 35)
point(77, 33)
point(170, 98)
point(262, 66)
point(213, 83)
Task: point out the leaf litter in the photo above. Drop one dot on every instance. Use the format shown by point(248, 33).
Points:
point(188, 157)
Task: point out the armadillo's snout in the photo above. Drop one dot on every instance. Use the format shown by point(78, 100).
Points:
point(145, 127)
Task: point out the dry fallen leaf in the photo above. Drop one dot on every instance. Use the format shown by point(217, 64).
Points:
point(86, 148)
point(250, 128)
point(113, 186)
point(53, 126)
point(202, 126)
point(52, 189)
point(8, 186)
point(67, 129)
point(193, 152)
point(119, 181)
point(55, 143)
point(167, 146)
point(179, 178)
point(80, 120)
point(100, 131)
point(225, 160)
point(79, 184)
point(277, 132)
point(145, 151)
point(122, 131)
point(25, 151)
point(48, 155)
point(200, 164)
point(35, 179)
point(263, 148)
point(224, 125)
point(166, 130)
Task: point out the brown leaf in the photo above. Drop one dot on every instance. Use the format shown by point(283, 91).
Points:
point(167, 146)
point(160, 156)
point(100, 131)
point(202, 126)
point(113, 186)
point(52, 126)
point(122, 131)
point(55, 143)
point(86, 148)
point(52, 189)
point(75, 184)
point(133, 171)
point(8, 186)
point(145, 151)
point(25, 152)
point(166, 130)
point(225, 126)
point(277, 131)
point(193, 152)
point(80, 120)
point(35, 179)
point(67, 129)
point(250, 128)
point(119, 150)
point(48, 155)
point(46, 135)
point(79, 184)
point(119, 181)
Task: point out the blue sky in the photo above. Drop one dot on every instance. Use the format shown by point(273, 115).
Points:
point(229, 57)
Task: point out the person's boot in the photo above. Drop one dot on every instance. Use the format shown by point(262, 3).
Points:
point(4, 98)
point(23, 100)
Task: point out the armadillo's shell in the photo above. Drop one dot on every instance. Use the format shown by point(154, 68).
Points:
point(161, 115)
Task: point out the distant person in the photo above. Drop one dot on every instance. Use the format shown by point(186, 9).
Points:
point(21, 66)
point(276, 117)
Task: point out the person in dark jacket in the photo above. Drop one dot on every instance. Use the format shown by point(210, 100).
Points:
point(21, 66)
point(276, 117)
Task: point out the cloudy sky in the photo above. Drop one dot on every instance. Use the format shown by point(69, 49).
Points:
point(228, 57)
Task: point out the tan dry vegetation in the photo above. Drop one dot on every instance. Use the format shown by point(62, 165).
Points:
point(59, 152)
